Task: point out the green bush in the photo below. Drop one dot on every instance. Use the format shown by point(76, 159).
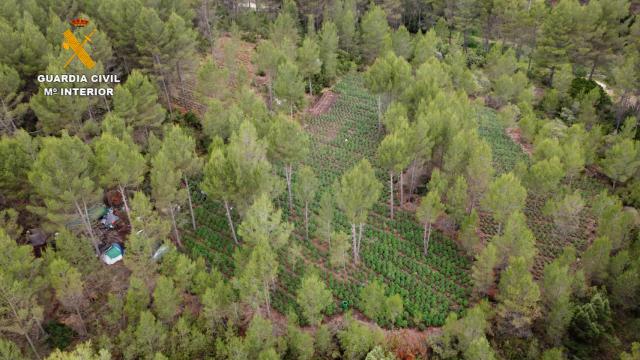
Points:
point(581, 86)
point(60, 335)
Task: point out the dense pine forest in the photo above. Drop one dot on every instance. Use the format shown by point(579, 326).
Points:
point(329, 179)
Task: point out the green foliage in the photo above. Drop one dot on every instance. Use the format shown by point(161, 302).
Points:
point(288, 85)
point(483, 269)
point(313, 298)
point(504, 197)
point(60, 336)
point(518, 298)
point(328, 50)
point(634, 354)
point(358, 339)
point(136, 300)
point(375, 37)
point(372, 300)
point(136, 101)
point(591, 320)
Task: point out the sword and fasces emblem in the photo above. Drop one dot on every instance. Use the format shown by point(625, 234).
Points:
point(71, 42)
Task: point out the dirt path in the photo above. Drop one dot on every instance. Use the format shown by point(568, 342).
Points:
point(323, 105)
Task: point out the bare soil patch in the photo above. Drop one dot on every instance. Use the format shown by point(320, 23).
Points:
point(323, 105)
point(516, 135)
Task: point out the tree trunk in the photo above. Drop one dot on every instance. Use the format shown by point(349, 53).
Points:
point(412, 178)
point(553, 71)
point(310, 88)
point(175, 226)
point(426, 238)
point(288, 173)
point(164, 85)
point(193, 216)
point(270, 88)
point(25, 331)
point(306, 220)
point(361, 226)
point(83, 326)
point(267, 298)
point(593, 69)
point(379, 113)
point(233, 230)
point(106, 103)
point(126, 205)
point(84, 216)
point(354, 243)
point(391, 193)
point(401, 190)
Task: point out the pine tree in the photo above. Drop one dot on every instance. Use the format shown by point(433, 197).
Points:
point(324, 218)
point(457, 200)
point(387, 78)
point(339, 250)
point(596, 260)
point(393, 156)
point(20, 281)
point(427, 213)
point(401, 42)
point(17, 154)
point(426, 48)
point(58, 112)
point(358, 339)
point(181, 150)
point(375, 38)
point(468, 237)
point(309, 60)
point(136, 101)
point(518, 298)
point(139, 259)
point(166, 299)
point(147, 221)
point(314, 298)
point(556, 297)
point(372, 300)
point(566, 213)
point(545, 175)
point(136, 300)
point(328, 50)
point(263, 223)
point(516, 241)
point(69, 287)
point(268, 58)
point(61, 176)
point(357, 192)
point(479, 349)
point(621, 161)
point(305, 189)
point(288, 144)
point(147, 337)
point(119, 164)
point(504, 197)
point(257, 278)
point(557, 36)
point(11, 99)
point(288, 85)
point(165, 181)
point(482, 272)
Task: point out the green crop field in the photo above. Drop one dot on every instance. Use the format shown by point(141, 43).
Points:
point(431, 286)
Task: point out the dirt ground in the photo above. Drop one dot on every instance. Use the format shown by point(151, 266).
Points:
point(516, 135)
point(323, 104)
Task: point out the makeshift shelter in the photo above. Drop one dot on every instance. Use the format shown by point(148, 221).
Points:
point(112, 255)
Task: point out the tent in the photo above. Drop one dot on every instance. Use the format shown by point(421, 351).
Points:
point(112, 255)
